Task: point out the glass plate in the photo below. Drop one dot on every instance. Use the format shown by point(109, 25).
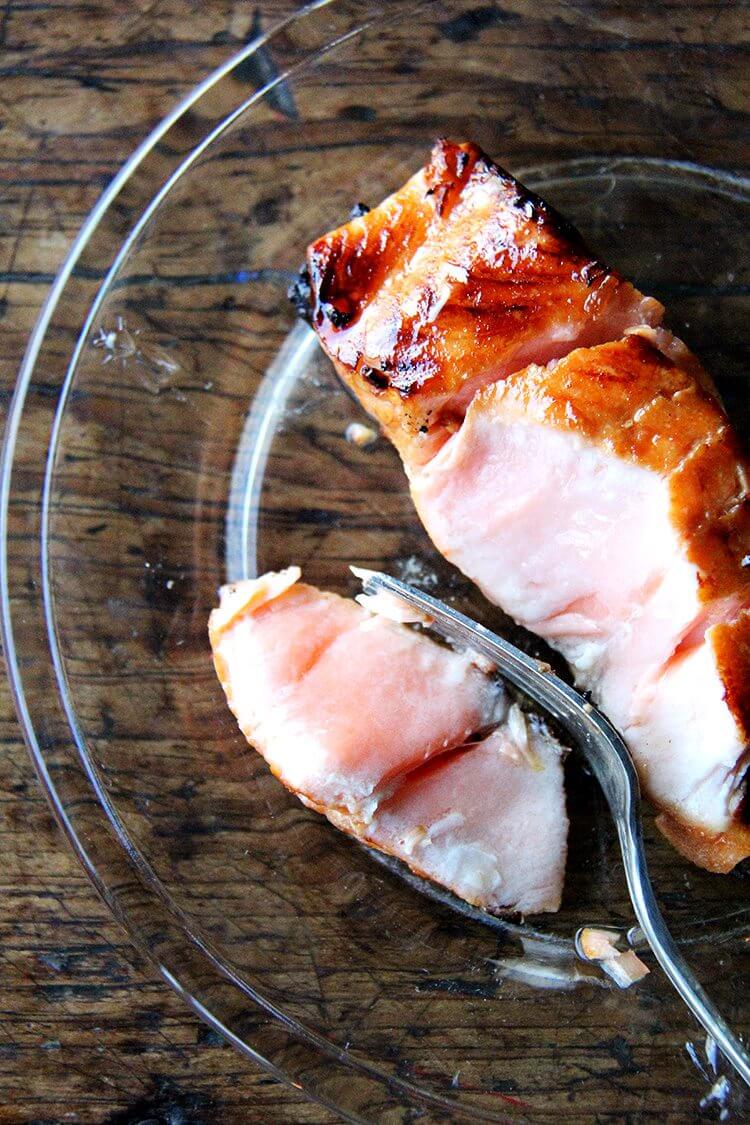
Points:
point(174, 426)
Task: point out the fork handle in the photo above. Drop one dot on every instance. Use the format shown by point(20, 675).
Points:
point(665, 948)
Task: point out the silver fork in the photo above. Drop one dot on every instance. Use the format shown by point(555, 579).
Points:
point(613, 767)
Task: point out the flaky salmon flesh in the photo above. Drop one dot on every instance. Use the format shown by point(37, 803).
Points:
point(398, 740)
point(569, 455)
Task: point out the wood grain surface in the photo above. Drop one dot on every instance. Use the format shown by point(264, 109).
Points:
point(87, 1032)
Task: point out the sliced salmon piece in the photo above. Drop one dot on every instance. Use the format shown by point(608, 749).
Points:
point(602, 500)
point(458, 279)
point(367, 721)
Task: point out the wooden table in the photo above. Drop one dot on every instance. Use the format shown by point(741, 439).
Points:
point(87, 1032)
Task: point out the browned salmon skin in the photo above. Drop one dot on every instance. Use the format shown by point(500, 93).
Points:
point(458, 279)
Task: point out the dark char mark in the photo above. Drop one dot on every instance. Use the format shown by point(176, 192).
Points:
point(300, 294)
point(338, 317)
point(377, 379)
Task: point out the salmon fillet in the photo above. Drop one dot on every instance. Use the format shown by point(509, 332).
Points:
point(571, 457)
point(375, 726)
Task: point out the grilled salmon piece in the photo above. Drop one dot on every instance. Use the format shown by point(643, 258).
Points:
point(368, 721)
point(602, 500)
point(569, 455)
point(456, 280)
